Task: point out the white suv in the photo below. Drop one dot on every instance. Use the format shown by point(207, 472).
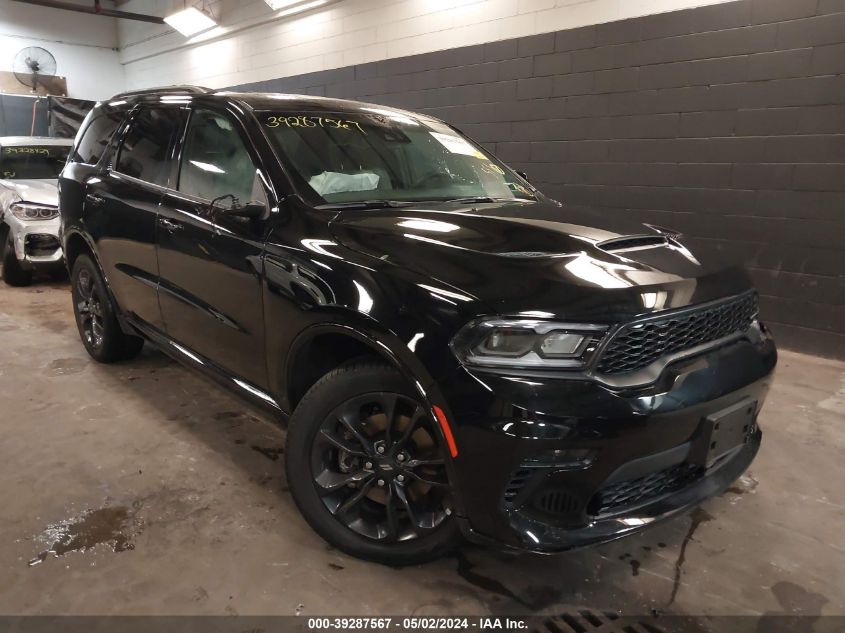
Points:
point(29, 215)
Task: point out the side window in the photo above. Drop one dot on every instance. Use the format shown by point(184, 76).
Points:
point(144, 151)
point(96, 138)
point(215, 161)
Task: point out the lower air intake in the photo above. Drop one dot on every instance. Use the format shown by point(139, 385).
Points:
point(633, 492)
point(557, 502)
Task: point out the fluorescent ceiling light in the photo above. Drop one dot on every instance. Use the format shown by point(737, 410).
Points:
point(281, 4)
point(190, 21)
point(294, 6)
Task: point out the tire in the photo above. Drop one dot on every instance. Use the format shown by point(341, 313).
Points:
point(391, 523)
point(13, 273)
point(95, 316)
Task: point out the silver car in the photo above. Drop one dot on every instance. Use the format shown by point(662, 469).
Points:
point(29, 216)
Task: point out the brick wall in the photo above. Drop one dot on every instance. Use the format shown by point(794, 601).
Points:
point(726, 122)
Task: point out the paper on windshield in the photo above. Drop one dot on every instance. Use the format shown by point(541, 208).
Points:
point(330, 182)
point(457, 145)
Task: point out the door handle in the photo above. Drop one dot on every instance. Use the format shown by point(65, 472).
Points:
point(94, 199)
point(169, 225)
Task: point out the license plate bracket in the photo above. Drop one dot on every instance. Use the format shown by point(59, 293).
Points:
point(724, 430)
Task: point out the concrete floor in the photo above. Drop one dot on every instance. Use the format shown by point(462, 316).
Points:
point(182, 486)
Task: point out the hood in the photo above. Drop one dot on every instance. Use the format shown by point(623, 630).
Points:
point(37, 191)
point(542, 258)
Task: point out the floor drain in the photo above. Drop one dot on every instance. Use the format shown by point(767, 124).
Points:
point(587, 621)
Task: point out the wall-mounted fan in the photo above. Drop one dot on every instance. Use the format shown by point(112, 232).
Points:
point(32, 64)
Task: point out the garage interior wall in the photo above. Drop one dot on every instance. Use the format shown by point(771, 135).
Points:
point(85, 46)
point(21, 115)
point(254, 43)
point(723, 120)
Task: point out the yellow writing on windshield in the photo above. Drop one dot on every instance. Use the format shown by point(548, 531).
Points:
point(304, 121)
point(41, 151)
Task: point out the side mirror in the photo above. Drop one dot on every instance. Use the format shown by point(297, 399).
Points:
point(254, 209)
point(524, 176)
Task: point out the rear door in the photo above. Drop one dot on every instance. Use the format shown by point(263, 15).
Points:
point(121, 207)
point(210, 262)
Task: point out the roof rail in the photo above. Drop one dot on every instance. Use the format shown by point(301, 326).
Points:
point(186, 89)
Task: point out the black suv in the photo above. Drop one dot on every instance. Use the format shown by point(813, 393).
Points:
point(454, 353)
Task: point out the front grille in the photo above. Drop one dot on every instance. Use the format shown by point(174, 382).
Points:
point(40, 244)
point(632, 492)
point(637, 345)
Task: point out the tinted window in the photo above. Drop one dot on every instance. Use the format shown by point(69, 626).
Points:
point(144, 151)
point(215, 162)
point(96, 137)
point(32, 161)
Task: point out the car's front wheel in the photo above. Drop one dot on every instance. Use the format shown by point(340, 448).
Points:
point(95, 316)
point(366, 467)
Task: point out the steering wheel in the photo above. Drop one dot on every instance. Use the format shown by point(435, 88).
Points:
point(433, 179)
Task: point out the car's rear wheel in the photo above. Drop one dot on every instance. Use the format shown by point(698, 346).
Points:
point(13, 272)
point(95, 316)
point(366, 467)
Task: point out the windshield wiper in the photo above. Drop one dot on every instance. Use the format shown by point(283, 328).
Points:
point(366, 204)
point(474, 199)
point(482, 199)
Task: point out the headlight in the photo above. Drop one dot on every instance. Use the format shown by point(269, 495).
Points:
point(27, 211)
point(526, 343)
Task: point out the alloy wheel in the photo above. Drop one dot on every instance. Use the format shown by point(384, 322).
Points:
point(90, 309)
point(378, 468)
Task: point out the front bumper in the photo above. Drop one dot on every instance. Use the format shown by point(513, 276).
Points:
point(548, 464)
point(36, 242)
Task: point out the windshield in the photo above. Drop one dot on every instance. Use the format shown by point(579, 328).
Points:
point(385, 155)
point(32, 161)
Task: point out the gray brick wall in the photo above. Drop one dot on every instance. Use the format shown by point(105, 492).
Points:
point(726, 122)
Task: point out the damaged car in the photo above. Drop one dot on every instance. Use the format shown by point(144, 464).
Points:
point(29, 214)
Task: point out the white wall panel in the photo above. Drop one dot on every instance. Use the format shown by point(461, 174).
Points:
point(84, 46)
point(348, 32)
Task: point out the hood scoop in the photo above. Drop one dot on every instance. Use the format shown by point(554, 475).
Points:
point(632, 243)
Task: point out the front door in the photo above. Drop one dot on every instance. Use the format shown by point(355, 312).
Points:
point(209, 260)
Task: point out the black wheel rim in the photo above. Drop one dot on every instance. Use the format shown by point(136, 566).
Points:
point(89, 309)
point(379, 469)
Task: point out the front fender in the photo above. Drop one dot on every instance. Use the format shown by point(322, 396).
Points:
point(397, 312)
point(68, 233)
point(382, 342)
